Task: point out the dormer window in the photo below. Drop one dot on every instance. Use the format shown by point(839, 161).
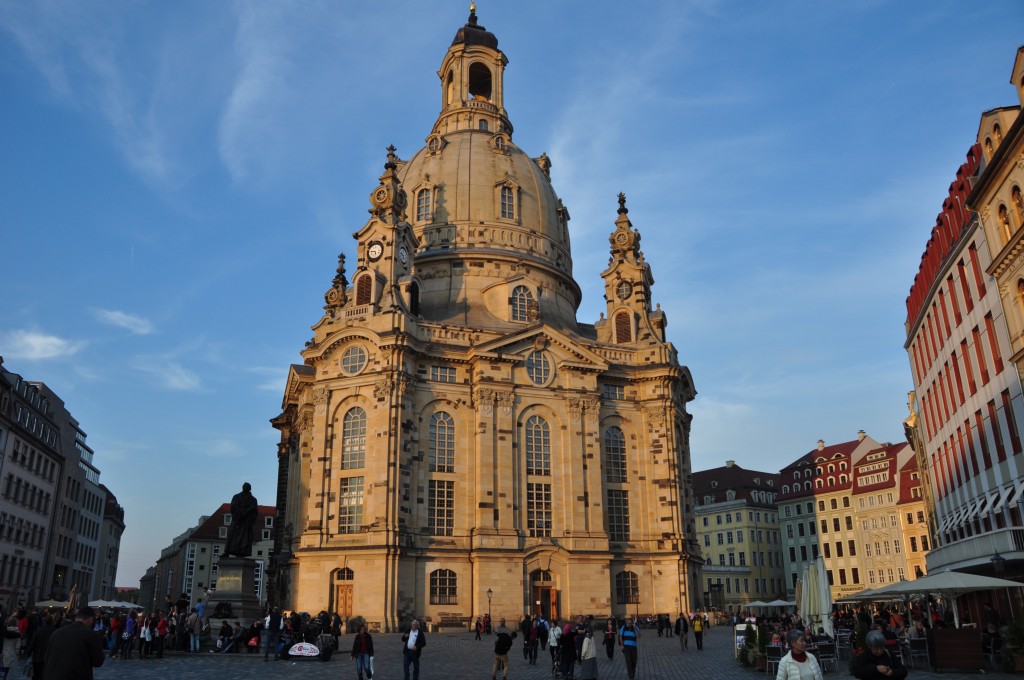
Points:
point(623, 328)
point(508, 201)
point(522, 300)
point(363, 289)
point(424, 205)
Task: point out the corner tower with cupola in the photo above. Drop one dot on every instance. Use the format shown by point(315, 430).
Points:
point(455, 440)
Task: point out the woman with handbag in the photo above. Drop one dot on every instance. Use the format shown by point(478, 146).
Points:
point(362, 652)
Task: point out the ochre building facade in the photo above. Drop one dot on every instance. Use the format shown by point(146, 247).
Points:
point(455, 442)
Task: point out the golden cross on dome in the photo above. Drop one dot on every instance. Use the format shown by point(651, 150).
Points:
point(472, 6)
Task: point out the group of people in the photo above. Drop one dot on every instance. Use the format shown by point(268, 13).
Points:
point(60, 645)
point(877, 661)
point(572, 643)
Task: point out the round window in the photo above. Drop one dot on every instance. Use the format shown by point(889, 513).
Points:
point(538, 368)
point(353, 360)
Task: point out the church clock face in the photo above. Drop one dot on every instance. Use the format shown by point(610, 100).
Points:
point(623, 290)
point(403, 255)
point(375, 250)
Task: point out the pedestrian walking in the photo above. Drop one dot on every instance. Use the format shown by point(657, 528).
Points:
point(610, 631)
point(274, 623)
point(502, 644)
point(629, 637)
point(588, 657)
point(683, 631)
point(75, 649)
point(362, 652)
point(413, 643)
point(698, 632)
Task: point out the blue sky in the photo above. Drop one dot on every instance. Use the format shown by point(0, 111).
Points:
point(178, 179)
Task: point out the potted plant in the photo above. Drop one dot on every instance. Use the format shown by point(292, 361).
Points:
point(749, 646)
point(1014, 642)
point(762, 644)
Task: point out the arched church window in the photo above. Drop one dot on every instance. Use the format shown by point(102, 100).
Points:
point(353, 439)
point(414, 298)
point(443, 587)
point(484, 127)
point(538, 368)
point(345, 574)
point(479, 81)
point(623, 331)
point(615, 455)
point(1020, 295)
point(508, 203)
point(442, 443)
point(997, 132)
point(363, 288)
point(1004, 223)
point(450, 89)
point(627, 588)
point(424, 205)
point(538, 447)
point(522, 298)
point(988, 146)
point(1018, 203)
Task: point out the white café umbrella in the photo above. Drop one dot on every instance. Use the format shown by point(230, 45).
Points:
point(816, 597)
point(952, 583)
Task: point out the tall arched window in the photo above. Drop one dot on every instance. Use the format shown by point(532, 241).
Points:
point(414, 298)
point(615, 455)
point(353, 439)
point(997, 132)
point(1018, 203)
point(442, 443)
point(623, 331)
point(363, 288)
point(538, 446)
point(522, 300)
point(508, 201)
point(1004, 223)
point(443, 587)
point(627, 588)
point(345, 574)
point(424, 205)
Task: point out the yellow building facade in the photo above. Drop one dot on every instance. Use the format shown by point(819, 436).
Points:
point(455, 441)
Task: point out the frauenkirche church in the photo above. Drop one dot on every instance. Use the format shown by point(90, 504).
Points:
point(455, 441)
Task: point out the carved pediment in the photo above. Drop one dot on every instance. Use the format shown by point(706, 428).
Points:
point(298, 377)
point(568, 351)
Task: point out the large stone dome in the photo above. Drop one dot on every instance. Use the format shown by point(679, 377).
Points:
point(484, 213)
point(467, 175)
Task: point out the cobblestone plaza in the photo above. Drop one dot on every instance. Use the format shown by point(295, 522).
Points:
point(454, 656)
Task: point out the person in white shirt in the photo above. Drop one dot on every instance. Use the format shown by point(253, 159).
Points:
point(413, 643)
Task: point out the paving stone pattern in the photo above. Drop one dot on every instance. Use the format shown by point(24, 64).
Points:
point(457, 656)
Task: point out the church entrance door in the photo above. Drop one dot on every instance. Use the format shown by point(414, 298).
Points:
point(545, 602)
point(343, 601)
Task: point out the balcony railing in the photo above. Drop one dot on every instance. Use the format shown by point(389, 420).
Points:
point(976, 549)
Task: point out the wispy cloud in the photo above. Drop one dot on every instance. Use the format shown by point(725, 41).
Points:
point(82, 52)
point(136, 324)
point(169, 374)
point(218, 448)
point(35, 346)
point(273, 378)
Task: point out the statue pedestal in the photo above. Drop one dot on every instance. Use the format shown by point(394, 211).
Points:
point(235, 587)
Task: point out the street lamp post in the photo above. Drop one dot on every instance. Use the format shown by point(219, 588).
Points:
point(490, 594)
